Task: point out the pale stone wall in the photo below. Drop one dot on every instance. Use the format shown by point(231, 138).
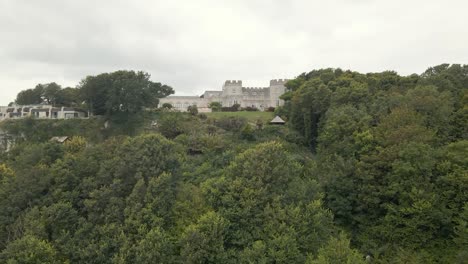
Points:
point(277, 89)
point(181, 103)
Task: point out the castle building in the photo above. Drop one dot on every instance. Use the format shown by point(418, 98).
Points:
point(232, 93)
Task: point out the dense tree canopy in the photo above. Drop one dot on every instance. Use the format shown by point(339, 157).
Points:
point(105, 94)
point(381, 142)
point(369, 168)
point(50, 93)
point(121, 91)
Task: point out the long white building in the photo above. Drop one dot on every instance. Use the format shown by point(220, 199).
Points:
point(232, 93)
point(40, 111)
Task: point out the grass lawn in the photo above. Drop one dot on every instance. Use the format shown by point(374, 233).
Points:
point(250, 116)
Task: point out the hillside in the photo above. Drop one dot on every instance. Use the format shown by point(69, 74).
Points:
point(367, 165)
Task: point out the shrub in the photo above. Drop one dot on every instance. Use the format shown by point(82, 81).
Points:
point(250, 109)
point(215, 106)
point(247, 133)
point(170, 125)
point(202, 116)
point(193, 110)
point(229, 109)
point(231, 123)
point(167, 106)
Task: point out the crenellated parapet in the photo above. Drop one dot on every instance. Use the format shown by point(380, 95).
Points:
point(233, 83)
point(278, 82)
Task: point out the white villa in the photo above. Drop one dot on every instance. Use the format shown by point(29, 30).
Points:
point(40, 111)
point(232, 93)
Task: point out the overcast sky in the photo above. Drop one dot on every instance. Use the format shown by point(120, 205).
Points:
point(195, 45)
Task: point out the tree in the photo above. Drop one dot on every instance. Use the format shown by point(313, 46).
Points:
point(461, 232)
point(29, 250)
point(339, 128)
point(309, 104)
point(121, 91)
point(215, 106)
point(51, 93)
point(192, 109)
point(30, 96)
point(261, 190)
point(167, 106)
point(203, 242)
point(68, 97)
point(337, 251)
point(236, 107)
point(171, 125)
point(247, 133)
point(155, 247)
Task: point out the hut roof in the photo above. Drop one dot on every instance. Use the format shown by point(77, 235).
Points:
point(277, 120)
point(59, 139)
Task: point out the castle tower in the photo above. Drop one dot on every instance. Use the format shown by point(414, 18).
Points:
point(232, 92)
point(277, 88)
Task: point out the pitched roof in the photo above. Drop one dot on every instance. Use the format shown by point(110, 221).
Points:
point(59, 139)
point(277, 120)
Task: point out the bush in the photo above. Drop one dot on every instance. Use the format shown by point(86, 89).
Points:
point(229, 109)
point(193, 110)
point(250, 109)
point(270, 109)
point(170, 125)
point(202, 116)
point(247, 133)
point(282, 112)
point(167, 106)
point(231, 123)
point(215, 106)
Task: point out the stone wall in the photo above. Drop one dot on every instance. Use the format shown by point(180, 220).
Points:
point(181, 103)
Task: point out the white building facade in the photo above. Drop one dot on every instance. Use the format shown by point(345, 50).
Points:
point(232, 93)
point(40, 111)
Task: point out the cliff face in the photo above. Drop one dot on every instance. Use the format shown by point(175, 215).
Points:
point(6, 141)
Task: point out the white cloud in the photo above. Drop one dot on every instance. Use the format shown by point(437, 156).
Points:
point(196, 45)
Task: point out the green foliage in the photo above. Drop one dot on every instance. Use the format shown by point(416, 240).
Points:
point(461, 235)
point(263, 189)
point(167, 106)
point(389, 155)
point(381, 156)
point(171, 125)
point(215, 106)
point(338, 251)
point(231, 123)
point(193, 110)
point(121, 91)
point(29, 250)
point(203, 242)
point(35, 130)
point(250, 116)
point(50, 93)
point(247, 133)
point(30, 96)
point(309, 105)
point(155, 247)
